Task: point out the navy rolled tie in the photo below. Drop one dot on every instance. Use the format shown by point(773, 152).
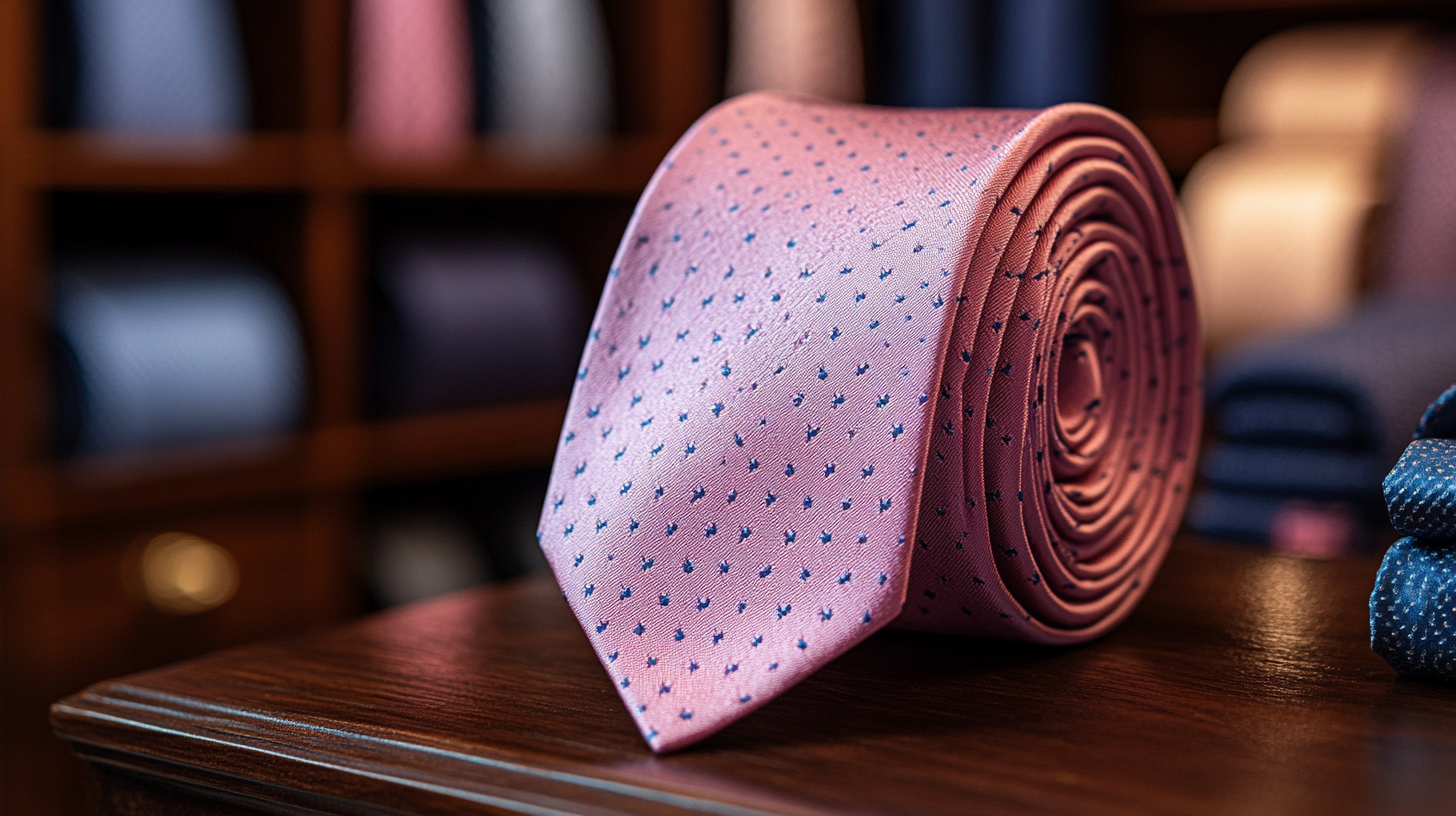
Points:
point(1314, 418)
point(1413, 606)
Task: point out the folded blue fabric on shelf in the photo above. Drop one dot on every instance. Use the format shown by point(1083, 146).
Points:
point(173, 350)
point(1318, 416)
point(1314, 473)
point(1048, 52)
point(1413, 606)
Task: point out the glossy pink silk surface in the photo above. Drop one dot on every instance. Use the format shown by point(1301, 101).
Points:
point(860, 365)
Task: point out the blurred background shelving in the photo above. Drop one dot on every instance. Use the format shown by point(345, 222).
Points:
point(293, 195)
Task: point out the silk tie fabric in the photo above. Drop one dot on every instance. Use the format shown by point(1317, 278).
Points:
point(174, 350)
point(858, 365)
point(412, 93)
point(1413, 605)
point(159, 68)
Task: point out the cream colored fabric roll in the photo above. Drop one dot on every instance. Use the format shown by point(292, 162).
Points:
point(1277, 231)
point(1279, 213)
point(1330, 81)
point(802, 46)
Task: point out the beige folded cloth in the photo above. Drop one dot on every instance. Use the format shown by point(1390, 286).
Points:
point(808, 47)
point(1280, 213)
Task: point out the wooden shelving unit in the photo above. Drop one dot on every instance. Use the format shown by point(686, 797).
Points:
point(289, 508)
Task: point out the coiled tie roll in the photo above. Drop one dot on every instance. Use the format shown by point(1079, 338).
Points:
point(859, 365)
point(1073, 472)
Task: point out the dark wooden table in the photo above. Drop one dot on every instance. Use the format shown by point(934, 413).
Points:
point(1244, 684)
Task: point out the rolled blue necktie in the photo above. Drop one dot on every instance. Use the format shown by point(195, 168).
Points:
point(1420, 491)
point(1439, 420)
point(1319, 415)
point(159, 67)
point(171, 351)
point(1413, 606)
point(931, 53)
point(1047, 52)
point(1413, 609)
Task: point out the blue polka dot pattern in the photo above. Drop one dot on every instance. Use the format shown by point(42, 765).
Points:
point(1420, 491)
point(1413, 606)
point(1413, 609)
point(856, 365)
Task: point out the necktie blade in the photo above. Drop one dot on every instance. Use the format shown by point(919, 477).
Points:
point(852, 361)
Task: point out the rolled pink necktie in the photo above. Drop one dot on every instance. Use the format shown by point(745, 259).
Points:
point(856, 366)
point(411, 86)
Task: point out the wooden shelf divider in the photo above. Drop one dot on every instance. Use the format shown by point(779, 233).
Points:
point(325, 162)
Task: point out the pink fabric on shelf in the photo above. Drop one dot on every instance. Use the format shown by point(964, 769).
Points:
point(857, 365)
point(1314, 529)
point(411, 79)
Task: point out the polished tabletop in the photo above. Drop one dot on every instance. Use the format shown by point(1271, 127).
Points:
point(1243, 684)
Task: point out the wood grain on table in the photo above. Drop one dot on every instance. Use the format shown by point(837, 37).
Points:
point(1243, 684)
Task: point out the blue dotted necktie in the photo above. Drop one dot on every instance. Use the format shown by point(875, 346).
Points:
point(1413, 607)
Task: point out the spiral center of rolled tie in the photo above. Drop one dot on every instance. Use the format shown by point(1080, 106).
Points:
point(1079, 384)
point(1083, 398)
